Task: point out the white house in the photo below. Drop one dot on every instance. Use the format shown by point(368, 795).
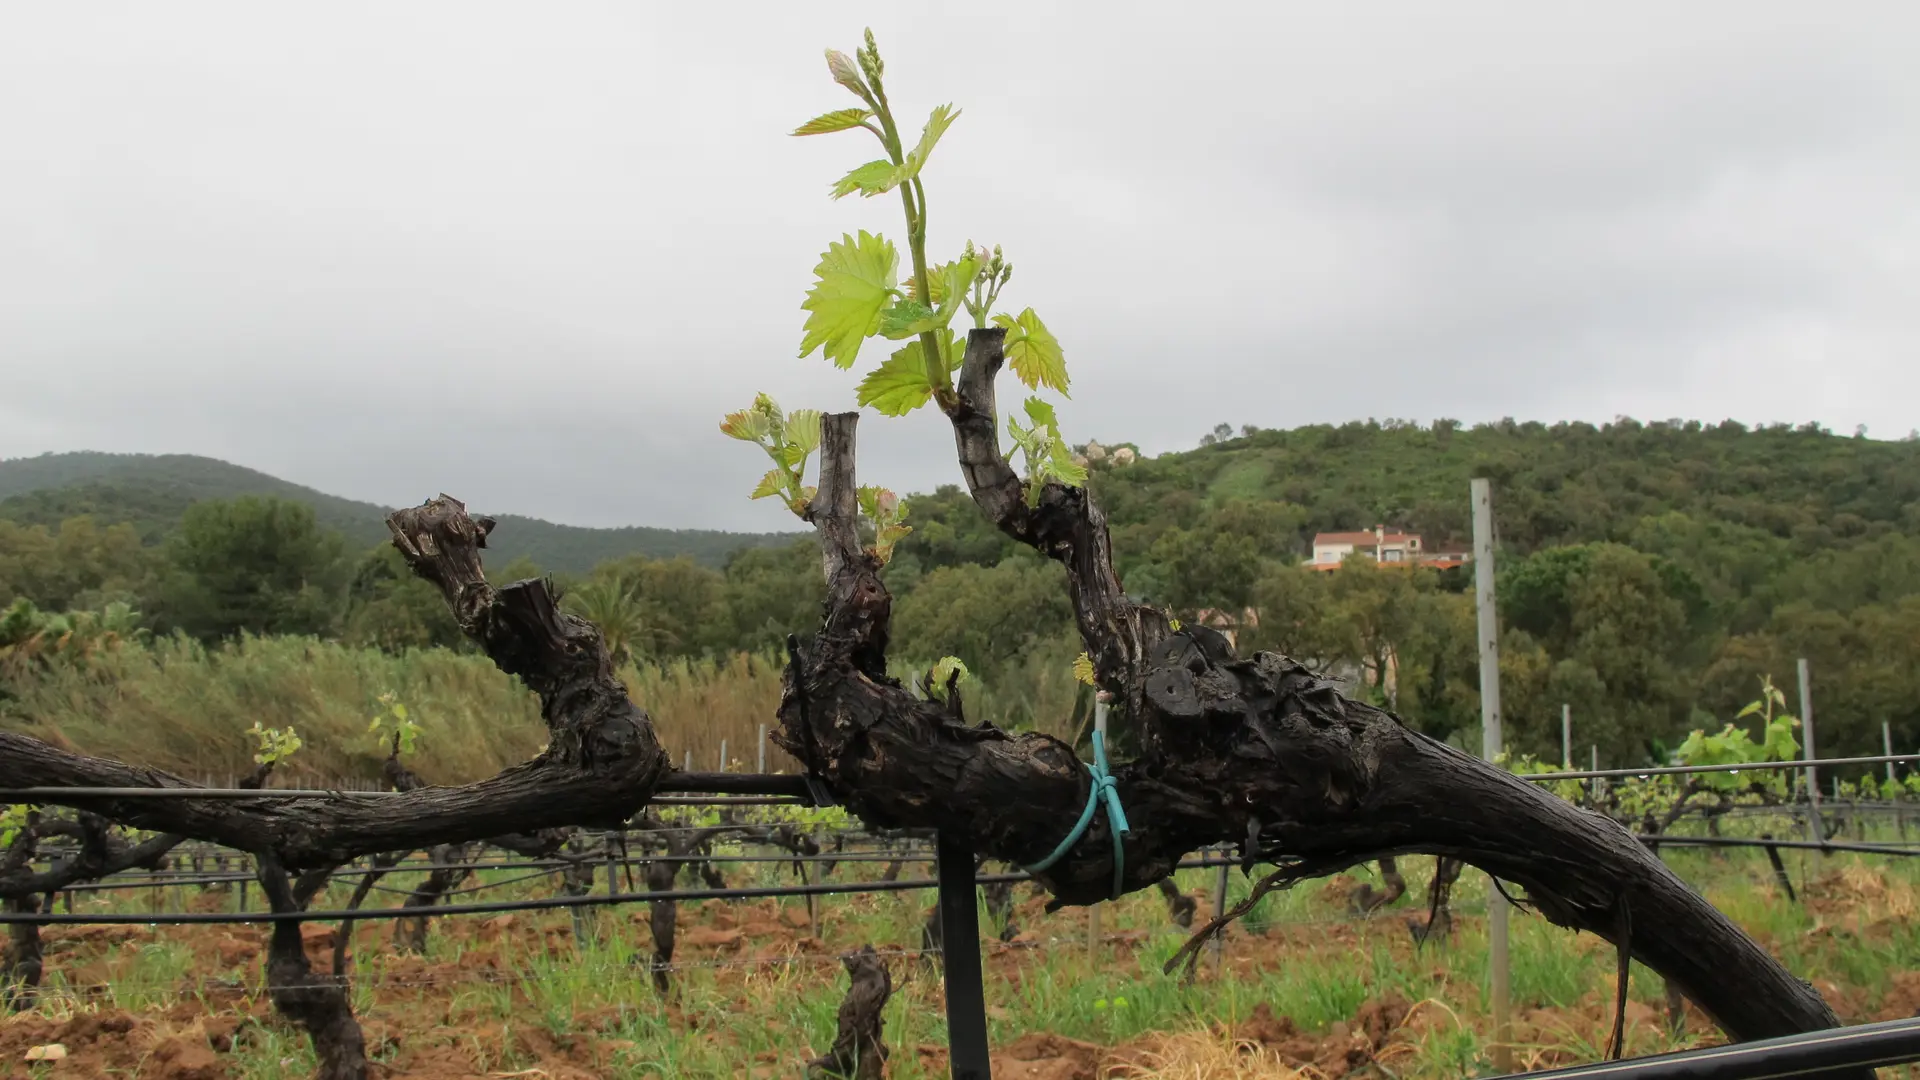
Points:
point(1380, 546)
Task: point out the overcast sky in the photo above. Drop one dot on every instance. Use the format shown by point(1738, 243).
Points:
point(529, 254)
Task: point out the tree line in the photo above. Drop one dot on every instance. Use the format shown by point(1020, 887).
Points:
point(1650, 574)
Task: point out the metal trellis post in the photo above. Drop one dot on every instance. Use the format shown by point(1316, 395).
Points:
point(1490, 745)
point(960, 961)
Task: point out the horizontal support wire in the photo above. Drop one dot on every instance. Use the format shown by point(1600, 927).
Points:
point(599, 900)
point(1750, 766)
point(794, 790)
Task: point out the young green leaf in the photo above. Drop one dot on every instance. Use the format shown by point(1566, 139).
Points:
point(1033, 352)
point(905, 381)
point(938, 122)
point(852, 283)
point(910, 318)
point(771, 484)
point(873, 178)
point(746, 425)
point(837, 120)
point(943, 670)
point(803, 433)
point(898, 386)
point(1083, 669)
point(1048, 455)
point(880, 177)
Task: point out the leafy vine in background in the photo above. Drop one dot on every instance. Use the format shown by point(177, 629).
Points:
point(1637, 797)
point(393, 727)
point(273, 746)
point(12, 820)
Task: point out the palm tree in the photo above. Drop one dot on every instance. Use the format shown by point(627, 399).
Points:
point(617, 609)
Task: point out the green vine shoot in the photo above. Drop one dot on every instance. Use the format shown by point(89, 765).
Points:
point(273, 746)
point(393, 728)
point(857, 294)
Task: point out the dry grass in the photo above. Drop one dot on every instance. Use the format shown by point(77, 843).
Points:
point(186, 707)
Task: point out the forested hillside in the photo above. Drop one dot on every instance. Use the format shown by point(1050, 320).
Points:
point(1650, 575)
point(152, 492)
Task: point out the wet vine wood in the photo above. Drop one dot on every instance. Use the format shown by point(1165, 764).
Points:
point(1255, 751)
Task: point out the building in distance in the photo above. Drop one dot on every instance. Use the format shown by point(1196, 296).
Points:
point(1391, 547)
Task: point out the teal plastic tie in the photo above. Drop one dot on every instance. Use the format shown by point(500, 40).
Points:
point(1104, 788)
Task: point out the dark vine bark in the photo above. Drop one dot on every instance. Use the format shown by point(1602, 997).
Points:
point(1437, 923)
point(97, 854)
point(451, 869)
point(1367, 899)
point(316, 1001)
point(601, 764)
point(663, 916)
point(858, 1053)
point(1256, 751)
point(1180, 906)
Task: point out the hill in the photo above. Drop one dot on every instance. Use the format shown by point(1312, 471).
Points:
point(151, 491)
point(1801, 490)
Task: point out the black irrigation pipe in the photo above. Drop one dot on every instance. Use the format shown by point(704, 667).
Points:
point(1891, 1042)
point(482, 887)
point(598, 900)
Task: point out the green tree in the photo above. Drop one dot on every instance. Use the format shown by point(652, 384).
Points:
point(389, 608)
point(615, 606)
point(1864, 666)
point(253, 565)
point(986, 616)
point(676, 607)
point(1622, 629)
point(773, 592)
point(78, 564)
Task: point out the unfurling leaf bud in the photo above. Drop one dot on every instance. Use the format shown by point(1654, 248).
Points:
point(847, 75)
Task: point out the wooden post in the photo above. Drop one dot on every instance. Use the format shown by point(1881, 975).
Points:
point(1566, 737)
point(1490, 747)
point(1886, 743)
point(723, 756)
point(1819, 835)
point(761, 766)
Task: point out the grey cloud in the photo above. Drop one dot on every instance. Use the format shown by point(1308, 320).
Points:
point(575, 237)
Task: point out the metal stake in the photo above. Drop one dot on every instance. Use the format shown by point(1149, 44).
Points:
point(960, 960)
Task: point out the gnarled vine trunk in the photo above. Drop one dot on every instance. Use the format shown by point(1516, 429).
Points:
point(1256, 751)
